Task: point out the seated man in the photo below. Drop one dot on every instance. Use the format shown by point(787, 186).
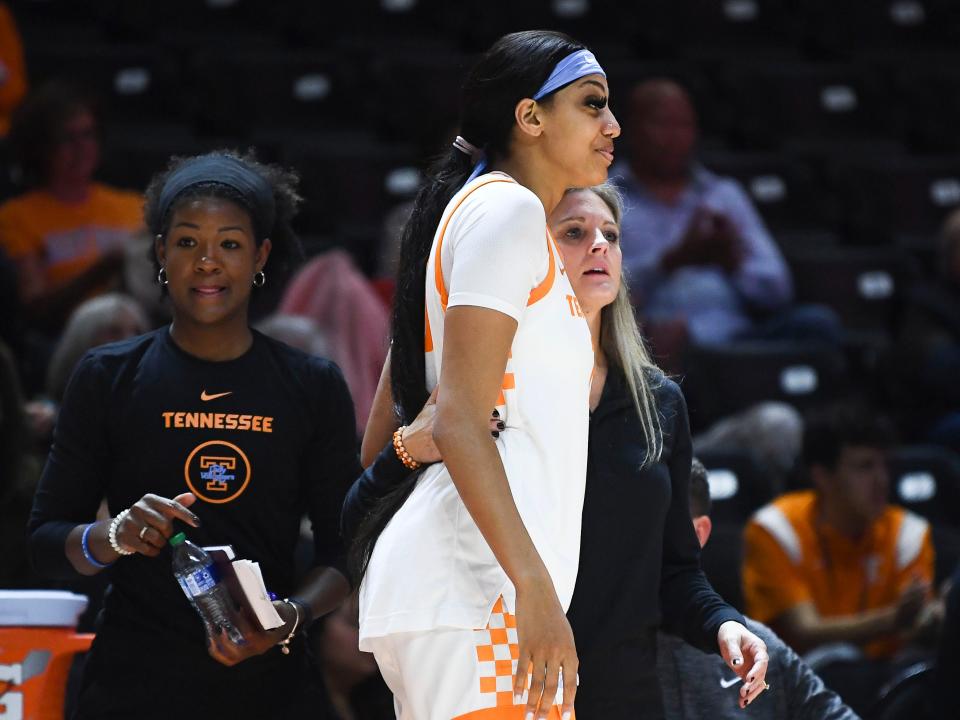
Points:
point(696, 251)
point(837, 564)
point(697, 685)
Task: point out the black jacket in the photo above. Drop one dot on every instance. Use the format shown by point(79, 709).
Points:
point(639, 555)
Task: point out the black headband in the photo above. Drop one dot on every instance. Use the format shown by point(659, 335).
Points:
point(222, 170)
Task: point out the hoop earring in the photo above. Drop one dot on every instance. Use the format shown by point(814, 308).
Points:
point(162, 276)
point(259, 278)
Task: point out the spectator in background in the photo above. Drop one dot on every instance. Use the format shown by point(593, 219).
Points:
point(701, 262)
point(929, 343)
point(67, 233)
point(699, 686)
point(332, 291)
point(837, 563)
point(296, 331)
point(13, 71)
point(770, 432)
point(97, 321)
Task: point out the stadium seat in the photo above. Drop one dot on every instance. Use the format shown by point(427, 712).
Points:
point(349, 183)
point(854, 27)
point(738, 486)
point(775, 101)
point(244, 92)
point(906, 695)
point(754, 26)
point(131, 154)
point(863, 285)
point(724, 379)
point(414, 94)
point(926, 480)
point(930, 88)
point(786, 191)
point(133, 83)
point(887, 197)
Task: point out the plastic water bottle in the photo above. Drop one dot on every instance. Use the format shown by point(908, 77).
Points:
point(197, 574)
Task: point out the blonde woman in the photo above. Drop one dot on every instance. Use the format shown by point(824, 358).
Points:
point(639, 557)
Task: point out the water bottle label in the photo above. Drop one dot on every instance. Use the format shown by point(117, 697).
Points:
point(200, 581)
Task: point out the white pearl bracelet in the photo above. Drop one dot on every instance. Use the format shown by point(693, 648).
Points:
point(112, 533)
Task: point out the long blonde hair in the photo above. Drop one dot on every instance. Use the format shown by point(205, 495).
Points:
point(622, 343)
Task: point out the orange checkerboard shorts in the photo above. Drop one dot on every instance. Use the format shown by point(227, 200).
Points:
point(453, 674)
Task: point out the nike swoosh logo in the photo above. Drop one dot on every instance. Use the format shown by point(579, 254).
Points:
point(728, 683)
point(206, 398)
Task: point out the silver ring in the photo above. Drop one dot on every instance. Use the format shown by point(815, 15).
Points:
point(143, 530)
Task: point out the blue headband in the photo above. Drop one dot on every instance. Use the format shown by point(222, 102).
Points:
point(573, 67)
point(223, 170)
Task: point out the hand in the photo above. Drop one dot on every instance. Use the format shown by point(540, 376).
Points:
point(926, 628)
point(725, 248)
point(746, 655)
point(149, 524)
point(694, 246)
point(41, 417)
point(418, 436)
point(256, 640)
point(546, 650)
point(910, 603)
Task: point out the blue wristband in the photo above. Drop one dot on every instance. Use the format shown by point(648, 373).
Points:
point(86, 549)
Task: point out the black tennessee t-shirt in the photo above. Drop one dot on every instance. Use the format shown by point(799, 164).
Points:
point(260, 440)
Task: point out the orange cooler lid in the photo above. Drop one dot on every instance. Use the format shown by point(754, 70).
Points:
point(40, 608)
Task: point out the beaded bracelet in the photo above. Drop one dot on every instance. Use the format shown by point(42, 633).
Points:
point(401, 451)
point(86, 549)
point(285, 643)
point(112, 534)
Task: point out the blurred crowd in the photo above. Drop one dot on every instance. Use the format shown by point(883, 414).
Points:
point(821, 378)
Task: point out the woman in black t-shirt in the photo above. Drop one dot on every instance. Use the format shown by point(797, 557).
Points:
point(213, 425)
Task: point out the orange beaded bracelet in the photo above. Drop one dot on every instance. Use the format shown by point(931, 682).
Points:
point(401, 451)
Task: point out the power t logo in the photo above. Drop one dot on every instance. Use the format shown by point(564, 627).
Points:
point(217, 471)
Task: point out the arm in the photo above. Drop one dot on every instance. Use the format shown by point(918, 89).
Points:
point(804, 628)
point(387, 471)
point(382, 420)
point(776, 592)
point(476, 345)
point(73, 482)
point(49, 307)
point(325, 585)
point(691, 607)
point(688, 601)
point(763, 277)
